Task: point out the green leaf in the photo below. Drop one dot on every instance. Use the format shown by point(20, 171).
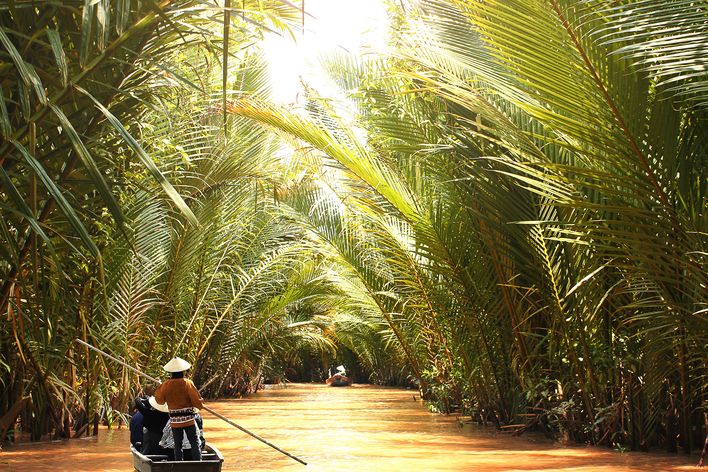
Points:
point(16, 58)
point(27, 72)
point(86, 27)
point(26, 213)
point(61, 201)
point(59, 55)
point(5, 126)
point(145, 159)
point(90, 165)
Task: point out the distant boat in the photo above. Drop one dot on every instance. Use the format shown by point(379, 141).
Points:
point(211, 462)
point(339, 380)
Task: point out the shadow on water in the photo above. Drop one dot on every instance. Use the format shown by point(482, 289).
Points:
point(359, 428)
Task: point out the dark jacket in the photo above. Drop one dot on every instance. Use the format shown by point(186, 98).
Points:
point(153, 420)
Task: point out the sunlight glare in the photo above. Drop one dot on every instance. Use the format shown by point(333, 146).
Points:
point(355, 27)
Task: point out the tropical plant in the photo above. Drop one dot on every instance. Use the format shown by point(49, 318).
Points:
point(514, 219)
point(77, 79)
point(554, 182)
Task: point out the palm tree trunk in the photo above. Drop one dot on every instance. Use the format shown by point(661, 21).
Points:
point(685, 395)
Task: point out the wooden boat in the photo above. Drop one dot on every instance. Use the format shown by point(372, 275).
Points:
point(339, 380)
point(211, 462)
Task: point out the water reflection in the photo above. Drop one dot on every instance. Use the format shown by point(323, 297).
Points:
point(360, 428)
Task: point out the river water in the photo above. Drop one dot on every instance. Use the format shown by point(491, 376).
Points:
point(358, 428)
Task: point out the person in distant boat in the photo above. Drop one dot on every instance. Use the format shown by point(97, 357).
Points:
point(155, 416)
point(339, 378)
point(182, 397)
point(136, 427)
point(341, 371)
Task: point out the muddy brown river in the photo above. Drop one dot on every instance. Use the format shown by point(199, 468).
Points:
point(358, 428)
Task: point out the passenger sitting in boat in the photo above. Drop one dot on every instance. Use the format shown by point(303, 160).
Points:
point(136, 427)
point(167, 443)
point(155, 417)
point(200, 428)
point(181, 397)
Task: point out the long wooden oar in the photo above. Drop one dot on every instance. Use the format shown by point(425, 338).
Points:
point(206, 408)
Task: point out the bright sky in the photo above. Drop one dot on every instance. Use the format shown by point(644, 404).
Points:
point(354, 25)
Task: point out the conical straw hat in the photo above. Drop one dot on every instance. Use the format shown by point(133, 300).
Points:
point(158, 406)
point(177, 364)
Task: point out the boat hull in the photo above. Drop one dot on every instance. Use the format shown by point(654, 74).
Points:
point(339, 381)
point(212, 462)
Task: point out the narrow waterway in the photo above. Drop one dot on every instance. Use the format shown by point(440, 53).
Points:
point(358, 428)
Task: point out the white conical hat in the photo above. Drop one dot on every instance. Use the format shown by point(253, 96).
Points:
point(340, 368)
point(177, 364)
point(158, 406)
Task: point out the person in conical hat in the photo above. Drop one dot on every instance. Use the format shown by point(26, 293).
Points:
point(182, 397)
point(162, 407)
point(177, 364)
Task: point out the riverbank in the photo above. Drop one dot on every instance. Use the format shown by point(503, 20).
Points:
point(360, 428)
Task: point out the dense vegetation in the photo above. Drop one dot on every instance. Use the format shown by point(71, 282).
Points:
point(507, 209)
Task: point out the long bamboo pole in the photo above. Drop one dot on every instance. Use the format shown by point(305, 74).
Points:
point(218, 415)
